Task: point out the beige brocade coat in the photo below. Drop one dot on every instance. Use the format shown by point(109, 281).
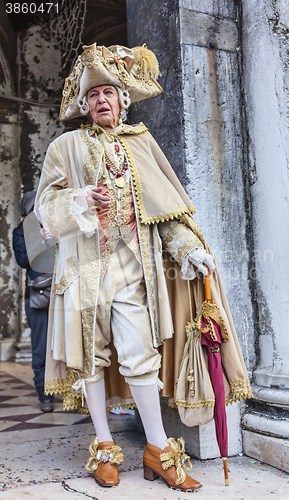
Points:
point(164, 213)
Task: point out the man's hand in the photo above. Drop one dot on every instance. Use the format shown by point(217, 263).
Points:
point(46, 234)
point(209, 261)
point(199, 257)
point(94, 198)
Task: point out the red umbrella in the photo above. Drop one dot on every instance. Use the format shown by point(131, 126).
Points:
point(213, 332)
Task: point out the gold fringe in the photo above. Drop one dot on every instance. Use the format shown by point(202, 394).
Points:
point(240, 389)
point(193, 404)
point(62, 385)
point(188, 220)
point(73, 400)
point(126, 130)
point(130, 406)
point(140, 129)
point(139, 195)
point(211, 311)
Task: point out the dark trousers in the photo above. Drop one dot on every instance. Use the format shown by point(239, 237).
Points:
point(38, 322)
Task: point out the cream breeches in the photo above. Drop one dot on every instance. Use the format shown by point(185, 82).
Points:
point(123, 317)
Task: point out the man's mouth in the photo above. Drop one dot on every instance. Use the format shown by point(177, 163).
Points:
point(103, 110)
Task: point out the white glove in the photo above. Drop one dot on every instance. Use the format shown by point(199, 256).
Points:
point(199, 257)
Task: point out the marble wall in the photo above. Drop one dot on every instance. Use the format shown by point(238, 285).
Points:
point(223, 123)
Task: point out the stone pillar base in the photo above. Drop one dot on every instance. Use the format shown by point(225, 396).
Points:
point(265, 425)
point(271, 450)
point(200, 440)
point(22, 352)
point(22, 348)
point(6, 349)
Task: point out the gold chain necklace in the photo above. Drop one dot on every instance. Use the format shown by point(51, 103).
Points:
point(111, 163)
point(117, 175)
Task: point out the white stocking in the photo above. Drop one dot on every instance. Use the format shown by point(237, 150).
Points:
point(148, 404)
point(96, 405)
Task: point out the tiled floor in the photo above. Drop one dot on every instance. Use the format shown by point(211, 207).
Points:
point(38, 447)
point(42, 456)
point(19, 406)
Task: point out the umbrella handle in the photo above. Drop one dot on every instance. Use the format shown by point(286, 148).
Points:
point(208, 296)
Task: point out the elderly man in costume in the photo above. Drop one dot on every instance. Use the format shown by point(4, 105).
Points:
point(110, 196)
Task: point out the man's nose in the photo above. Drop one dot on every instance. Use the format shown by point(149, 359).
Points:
point(101, 97)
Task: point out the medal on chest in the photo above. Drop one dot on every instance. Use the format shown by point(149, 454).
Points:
point(119, 181)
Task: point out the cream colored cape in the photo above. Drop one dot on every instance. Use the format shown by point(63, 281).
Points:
point(73, 163)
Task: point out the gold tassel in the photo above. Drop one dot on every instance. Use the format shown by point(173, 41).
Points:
point(211, 311)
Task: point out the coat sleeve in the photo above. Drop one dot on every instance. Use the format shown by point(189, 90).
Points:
point(60, 207)
point(179, 240)
point(19, 248)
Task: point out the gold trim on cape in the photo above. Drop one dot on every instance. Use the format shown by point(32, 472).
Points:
point(139, 195)
point(140, 128)
point(189, 221)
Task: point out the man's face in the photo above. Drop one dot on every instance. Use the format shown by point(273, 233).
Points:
point(104, 106)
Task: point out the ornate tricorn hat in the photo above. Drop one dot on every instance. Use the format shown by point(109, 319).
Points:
point(135, 70)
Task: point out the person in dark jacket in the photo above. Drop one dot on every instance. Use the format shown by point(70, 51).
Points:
point(37, 318)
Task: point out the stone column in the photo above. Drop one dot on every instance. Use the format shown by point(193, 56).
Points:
point(198, 122)
point(266, 85)
point(39, 92)
point(30, 87)
point(9, 216)
point(40, 87)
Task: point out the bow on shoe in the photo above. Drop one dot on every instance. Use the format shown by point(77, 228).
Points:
point(113, 455)
point(178, 458)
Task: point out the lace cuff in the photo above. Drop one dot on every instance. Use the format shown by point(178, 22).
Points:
point(87, 221)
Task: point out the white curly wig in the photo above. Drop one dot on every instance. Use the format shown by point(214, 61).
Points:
point(123, 99)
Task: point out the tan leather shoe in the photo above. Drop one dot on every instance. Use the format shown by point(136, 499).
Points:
point(103, 461)
point(169, 463)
